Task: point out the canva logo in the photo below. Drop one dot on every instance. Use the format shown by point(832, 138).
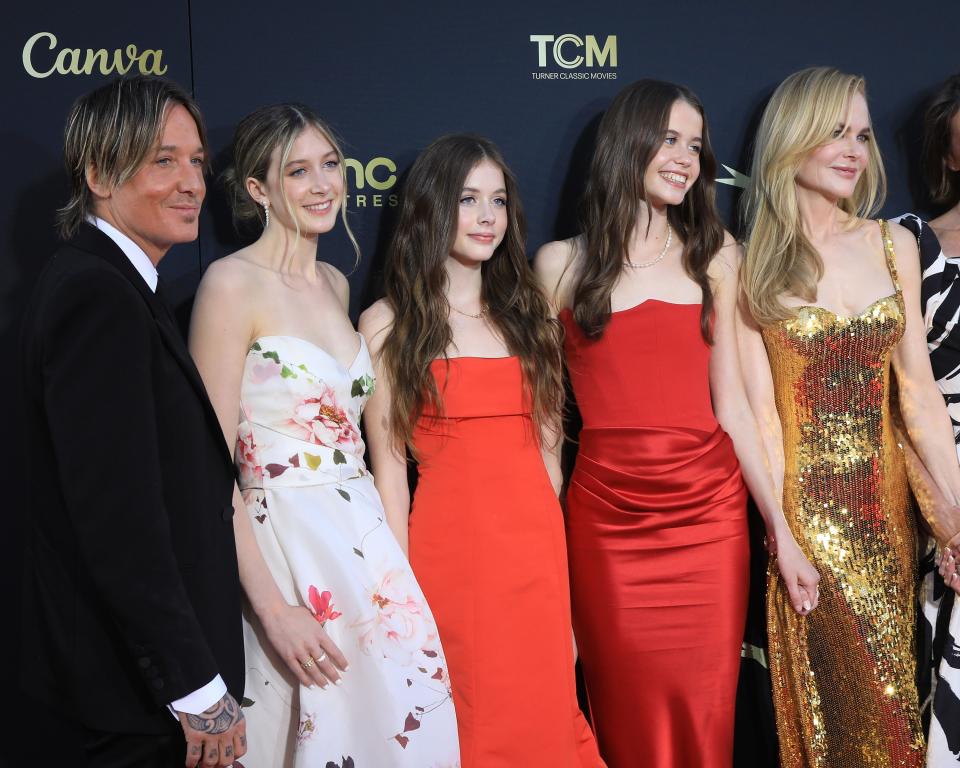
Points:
point(38, 60)
point(573, 52)
point(378, 175)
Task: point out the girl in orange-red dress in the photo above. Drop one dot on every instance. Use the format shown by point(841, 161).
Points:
point(470, 381)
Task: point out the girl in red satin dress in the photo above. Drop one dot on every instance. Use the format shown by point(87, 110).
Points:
point(469, 380)
point(656, 505)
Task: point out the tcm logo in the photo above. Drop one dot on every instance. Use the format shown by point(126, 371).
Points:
point(572, 51)
point(378, 175)
point(40, 61)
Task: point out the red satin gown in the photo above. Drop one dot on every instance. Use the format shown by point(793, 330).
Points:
point(487, 546)
point(657, 539)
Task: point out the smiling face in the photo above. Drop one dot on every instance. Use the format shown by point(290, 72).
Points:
point(159, 205)
point(482, 214)
point(311, 180)
point(833, 169)
point(676, 165)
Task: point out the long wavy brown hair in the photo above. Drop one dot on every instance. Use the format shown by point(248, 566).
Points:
point(630, 133)
point(415, 285)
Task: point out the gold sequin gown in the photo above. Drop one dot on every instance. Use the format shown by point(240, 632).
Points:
point(843, 677)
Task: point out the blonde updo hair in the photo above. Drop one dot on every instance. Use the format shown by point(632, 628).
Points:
point(254, 141)
point(802, 115)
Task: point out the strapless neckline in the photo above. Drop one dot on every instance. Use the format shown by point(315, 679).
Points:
point(627, 310)
point(470, 357)
point(348, 368)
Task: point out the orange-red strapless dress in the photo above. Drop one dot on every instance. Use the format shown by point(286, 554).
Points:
point(657, 536)
point(487, 546)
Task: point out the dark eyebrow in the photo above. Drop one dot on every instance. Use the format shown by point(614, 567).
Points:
point(473, 189)
point(675, 132)
point(173, 148)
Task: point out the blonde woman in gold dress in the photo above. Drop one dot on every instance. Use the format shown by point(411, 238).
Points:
point(832, 299)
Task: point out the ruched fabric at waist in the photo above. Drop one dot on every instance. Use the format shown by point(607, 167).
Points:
point(656, 477)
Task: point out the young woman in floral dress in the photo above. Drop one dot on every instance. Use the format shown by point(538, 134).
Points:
point(344, 665)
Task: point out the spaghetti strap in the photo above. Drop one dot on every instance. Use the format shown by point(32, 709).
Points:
point(889, 253)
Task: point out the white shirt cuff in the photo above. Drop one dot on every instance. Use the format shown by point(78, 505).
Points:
point(200, 700)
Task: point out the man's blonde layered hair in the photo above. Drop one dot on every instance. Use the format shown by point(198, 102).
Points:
point(802, 114)
point(113, 130)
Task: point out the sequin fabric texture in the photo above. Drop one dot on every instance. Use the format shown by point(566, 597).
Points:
point(843, 677)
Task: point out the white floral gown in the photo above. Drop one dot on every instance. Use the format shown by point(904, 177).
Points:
point(320, 525)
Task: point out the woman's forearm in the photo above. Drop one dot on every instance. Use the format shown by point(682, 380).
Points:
point(756, 451)
point(931, 432)
point(255, 577)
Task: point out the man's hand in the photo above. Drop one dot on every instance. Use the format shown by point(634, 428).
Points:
point(218, 736)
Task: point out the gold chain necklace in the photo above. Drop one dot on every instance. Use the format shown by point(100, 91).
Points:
point(480, 315)
point(663, 252)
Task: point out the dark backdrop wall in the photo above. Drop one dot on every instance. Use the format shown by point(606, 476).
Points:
point(535, 76)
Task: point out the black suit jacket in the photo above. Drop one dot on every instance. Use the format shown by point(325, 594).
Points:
point(132, 593)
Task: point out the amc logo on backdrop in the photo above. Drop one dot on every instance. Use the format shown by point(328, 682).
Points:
point(575, 57)
point(371, 182)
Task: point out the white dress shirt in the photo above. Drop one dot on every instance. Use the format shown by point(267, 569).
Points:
point(134, 252)
point(193, 703)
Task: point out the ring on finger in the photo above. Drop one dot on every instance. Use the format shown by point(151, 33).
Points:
point(321, 658)
point(307, 664)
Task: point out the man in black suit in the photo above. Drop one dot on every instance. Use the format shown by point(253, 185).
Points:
point(132, 625)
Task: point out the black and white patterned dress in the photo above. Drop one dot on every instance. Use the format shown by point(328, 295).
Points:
point(940, 624)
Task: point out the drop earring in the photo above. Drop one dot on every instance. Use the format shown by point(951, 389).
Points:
point(266, 213)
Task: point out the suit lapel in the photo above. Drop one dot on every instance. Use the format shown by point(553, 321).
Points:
point(92, 240)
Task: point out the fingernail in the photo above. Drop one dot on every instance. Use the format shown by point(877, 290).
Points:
point(346, 668)
point(338, 682)
point(806, 605)
point(311, 686)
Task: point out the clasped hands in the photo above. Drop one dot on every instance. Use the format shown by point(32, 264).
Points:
point(942, 521)
point(948, 559)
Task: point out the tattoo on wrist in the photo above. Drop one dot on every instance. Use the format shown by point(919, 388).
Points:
point(221, 717)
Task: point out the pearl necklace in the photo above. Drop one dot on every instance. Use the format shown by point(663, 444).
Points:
point(663, 252)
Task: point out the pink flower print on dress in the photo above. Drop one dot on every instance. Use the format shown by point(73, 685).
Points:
point(400, 626)
point(322, 604)
point(321, 420)
point(245, 457)
point(261, 372)
point(306, 728)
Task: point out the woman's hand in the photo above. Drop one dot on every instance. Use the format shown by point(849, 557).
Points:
point(947, 563)
point(799, 576)
point(301, 641)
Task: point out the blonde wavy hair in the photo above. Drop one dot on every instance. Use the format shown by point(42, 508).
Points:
point(254, 141)
point(802, 114)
